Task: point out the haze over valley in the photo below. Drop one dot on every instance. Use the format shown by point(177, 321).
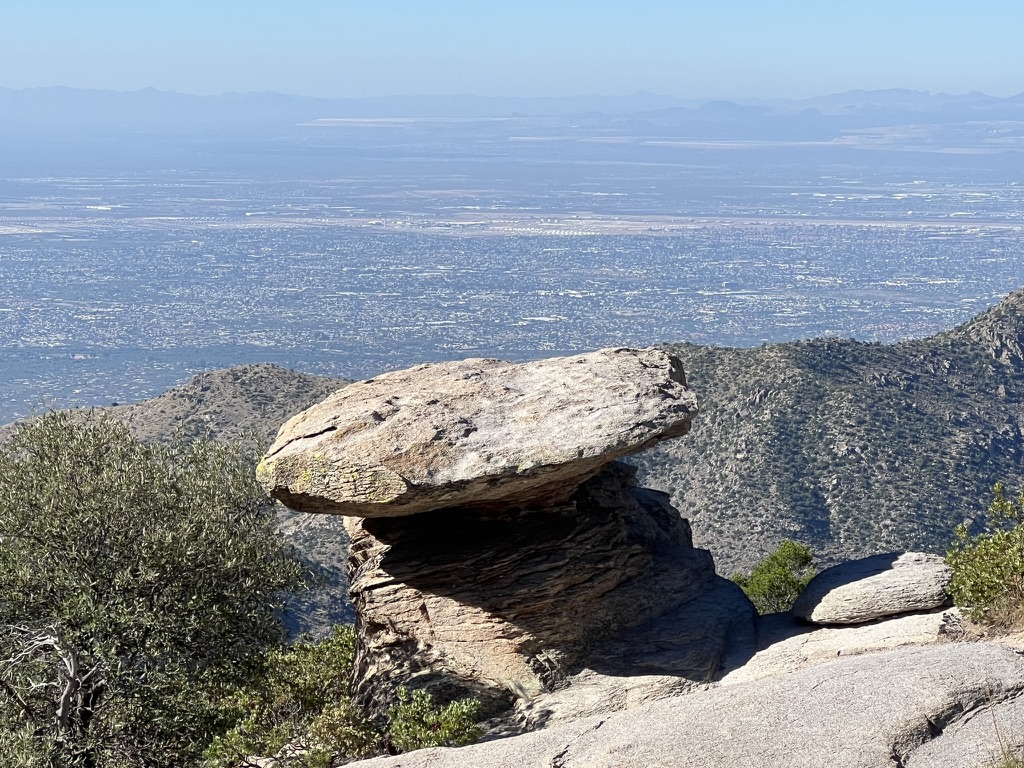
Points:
point(135, 256)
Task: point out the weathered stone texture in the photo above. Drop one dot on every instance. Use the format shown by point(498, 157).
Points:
point(513, 604)
point(874, 587)
point(476, 433)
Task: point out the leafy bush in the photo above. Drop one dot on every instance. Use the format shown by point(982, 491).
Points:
point(775, 583)
point(139, 584)
point(988, 567)
point(301, 711)
point(140, 587)
point(300, 705)
point(416, 723)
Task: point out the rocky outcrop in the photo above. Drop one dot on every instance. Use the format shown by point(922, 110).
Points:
point(785, 644)
point(875, 711)
point(516, 602)
point(873, 587)
point(476, 433)
point(999, 330)
point(497, 549)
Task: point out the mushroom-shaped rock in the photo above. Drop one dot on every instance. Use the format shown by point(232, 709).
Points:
point(874, 587)
point(476, 433)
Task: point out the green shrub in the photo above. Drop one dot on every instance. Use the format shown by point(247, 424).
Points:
point(138, 584)
point(24, 747)
point(988, 567)
point(302, 701)
point(302, 708)
point(774, 583)
point(416, 723)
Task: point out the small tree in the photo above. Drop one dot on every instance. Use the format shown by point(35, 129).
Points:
point(139, 584)
point(988, 568)
point(775, 583)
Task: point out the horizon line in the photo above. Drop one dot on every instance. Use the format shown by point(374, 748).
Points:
point(471, 95)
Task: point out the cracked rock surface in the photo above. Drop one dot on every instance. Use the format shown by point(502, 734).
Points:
point(875, 711)
point(981, 739)
point(476, 433)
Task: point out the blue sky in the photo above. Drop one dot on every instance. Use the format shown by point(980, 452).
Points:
point(722, 48)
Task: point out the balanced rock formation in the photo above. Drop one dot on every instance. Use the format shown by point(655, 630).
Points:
point(476, 433)
point(497, 548)
point(874, 587)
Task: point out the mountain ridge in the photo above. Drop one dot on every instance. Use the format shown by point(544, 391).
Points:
point(850, 447)
point(84, 105)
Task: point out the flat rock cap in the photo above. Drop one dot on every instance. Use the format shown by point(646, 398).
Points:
point(476, 433)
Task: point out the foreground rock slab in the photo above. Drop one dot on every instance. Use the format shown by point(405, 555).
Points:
point(787, 645)
point(872, 711)
point(476, 433)
point(874, 587)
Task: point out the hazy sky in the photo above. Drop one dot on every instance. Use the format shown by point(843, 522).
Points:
point(526, 47)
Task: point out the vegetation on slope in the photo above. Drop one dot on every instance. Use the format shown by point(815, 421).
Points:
point(138, 584)
point(988, 567)
point(301, 711)
point(850, 447)
point(242, 400)
point(853, 448)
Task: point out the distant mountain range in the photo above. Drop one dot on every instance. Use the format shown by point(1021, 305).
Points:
point(165, 111)
point(850, 447)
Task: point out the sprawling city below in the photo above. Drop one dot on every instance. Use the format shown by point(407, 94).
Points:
point(359, 253)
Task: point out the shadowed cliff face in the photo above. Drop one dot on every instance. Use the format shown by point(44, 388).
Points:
point(512, 604)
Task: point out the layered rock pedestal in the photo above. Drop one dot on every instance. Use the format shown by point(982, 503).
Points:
point(497, 547)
